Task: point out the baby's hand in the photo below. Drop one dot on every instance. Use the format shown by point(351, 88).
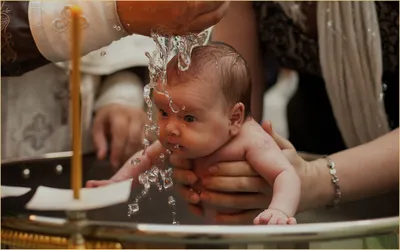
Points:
point(99, 183)
point(273, 217)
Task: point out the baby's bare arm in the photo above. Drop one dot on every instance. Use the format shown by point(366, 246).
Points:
point(268, 160)
point(139, 162)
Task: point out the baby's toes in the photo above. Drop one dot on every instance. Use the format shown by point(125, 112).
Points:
point(292, 221)
point(265, 217)
point(256, 220)
point(282, 221)
point(274, 220)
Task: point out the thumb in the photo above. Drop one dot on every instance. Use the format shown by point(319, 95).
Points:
point(99, 138)
point(282, 142)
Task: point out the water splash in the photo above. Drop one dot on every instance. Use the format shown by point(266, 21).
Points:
point(166, 48)
point(172, 204)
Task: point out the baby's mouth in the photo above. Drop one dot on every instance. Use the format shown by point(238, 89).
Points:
point(175, 147)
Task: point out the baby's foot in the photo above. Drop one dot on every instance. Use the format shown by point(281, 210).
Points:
point(273, 217)
point(98, 183)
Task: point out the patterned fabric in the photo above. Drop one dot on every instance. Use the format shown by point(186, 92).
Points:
point(34, 113)
point(297, 49)
point(19, 53)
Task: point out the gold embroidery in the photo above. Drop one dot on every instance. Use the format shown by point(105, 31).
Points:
point(61, 24)
point(7, 53)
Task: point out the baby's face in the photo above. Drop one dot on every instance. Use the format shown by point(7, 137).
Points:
point(200, 126)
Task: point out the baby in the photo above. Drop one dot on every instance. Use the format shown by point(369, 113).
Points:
point(213, 103)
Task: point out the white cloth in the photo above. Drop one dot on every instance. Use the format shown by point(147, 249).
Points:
point(35, 106)
point(48, 21)
point(124, 53)
point(276, 100)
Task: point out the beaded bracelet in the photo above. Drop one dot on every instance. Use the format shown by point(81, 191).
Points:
point(335, 182)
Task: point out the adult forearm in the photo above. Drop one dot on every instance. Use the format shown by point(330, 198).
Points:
point(364, 171)
point(239, 29)
point(49, 23)
point(35, 33)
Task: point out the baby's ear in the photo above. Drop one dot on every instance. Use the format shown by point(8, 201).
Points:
point(236, 118)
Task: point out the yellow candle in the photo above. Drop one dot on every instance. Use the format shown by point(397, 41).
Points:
point(75, 82)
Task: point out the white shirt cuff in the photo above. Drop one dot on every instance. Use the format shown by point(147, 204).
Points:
point(122, 87)
point(48, 21)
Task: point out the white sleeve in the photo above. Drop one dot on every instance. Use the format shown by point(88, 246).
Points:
point(123, 87)
point(48, 21)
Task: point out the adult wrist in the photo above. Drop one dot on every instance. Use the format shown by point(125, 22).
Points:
point(320, 188)
point(48, 22)
point(337, 195)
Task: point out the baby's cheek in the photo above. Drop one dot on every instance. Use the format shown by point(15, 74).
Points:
point(162, 137)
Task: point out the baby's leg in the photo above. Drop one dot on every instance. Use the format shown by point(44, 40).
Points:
point(273, 217)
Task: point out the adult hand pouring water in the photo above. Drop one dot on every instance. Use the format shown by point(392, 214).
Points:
point(37, 32)
point(171, 17)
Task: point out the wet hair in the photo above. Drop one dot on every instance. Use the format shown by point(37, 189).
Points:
point(218, 63)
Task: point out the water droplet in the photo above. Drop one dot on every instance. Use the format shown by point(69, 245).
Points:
point(133, 209)
point(103, 53)
point(143, 179)
point(171, 201)
point(154, 170)
point(168, 183)
point(384, 86)
point(153, 178)
point(146, 142)
point(136, 161)
point(149, 115)
point(168, 151)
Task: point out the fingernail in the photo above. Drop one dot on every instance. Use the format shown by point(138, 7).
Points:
point(204, 197)
point(213, 170)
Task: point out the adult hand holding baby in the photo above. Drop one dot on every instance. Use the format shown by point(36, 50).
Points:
point(230, 178)
point(179, 17)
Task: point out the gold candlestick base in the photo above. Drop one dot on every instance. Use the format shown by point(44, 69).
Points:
point(26, 240)
point(76, 219)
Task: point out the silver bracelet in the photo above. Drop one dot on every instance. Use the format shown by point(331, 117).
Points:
point(335, 181)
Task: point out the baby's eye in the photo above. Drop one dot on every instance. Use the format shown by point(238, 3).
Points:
point(189, 118)
point(163, 113)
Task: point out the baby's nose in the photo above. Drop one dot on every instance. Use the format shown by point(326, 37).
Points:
point(172, 129)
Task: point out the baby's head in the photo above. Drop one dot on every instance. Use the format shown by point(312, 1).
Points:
point(212, 97)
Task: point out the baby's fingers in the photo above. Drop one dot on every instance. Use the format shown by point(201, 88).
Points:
point(95, 183)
